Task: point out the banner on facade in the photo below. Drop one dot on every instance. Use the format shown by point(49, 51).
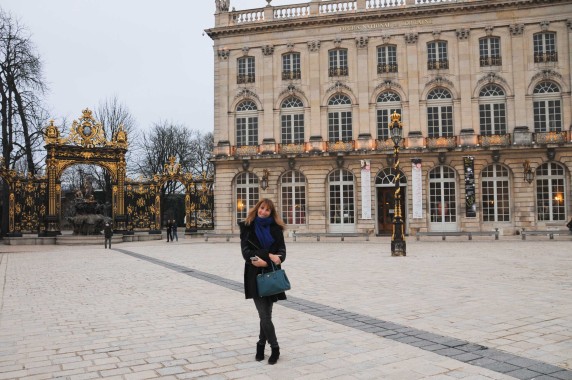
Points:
point(471, 206)
point(365, 189)
point(417, 188)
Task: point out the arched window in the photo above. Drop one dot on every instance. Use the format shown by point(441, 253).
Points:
point(492, 110)
point(246, 123)
point(341, 198)
point(246, 194)
point(387, 103)
point(496, 193)
point(547, 106)
point(340, 118)
point(439, 113)
point(442, 197)
point(292, 120)
point(550, 192)
point(293, 197)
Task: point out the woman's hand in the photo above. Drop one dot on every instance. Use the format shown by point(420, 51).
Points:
point(259, 263)
point(275, 258)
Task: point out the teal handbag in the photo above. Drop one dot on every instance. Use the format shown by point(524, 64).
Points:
point(272, 282)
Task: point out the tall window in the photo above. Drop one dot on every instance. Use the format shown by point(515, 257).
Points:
point(489, 51)
point(437, 55)
point(292, 120)
point(246, 194)
point(245, 70)
point(387, 59)
point(439, 113)
point(340, 118)
point(442, 197)
point(387, 103)
point(496, 194)
point(338, 63)
point(550, 192)
point(294, 198)
point(291, 66)
point(492, 110)
point(246, 123)
point(341, 192)
point(545, 47)
point(547, 108)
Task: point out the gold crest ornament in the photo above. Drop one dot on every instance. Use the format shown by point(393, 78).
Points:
point(86, 132)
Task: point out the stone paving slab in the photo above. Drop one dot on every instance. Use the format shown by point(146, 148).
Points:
point(449, 310)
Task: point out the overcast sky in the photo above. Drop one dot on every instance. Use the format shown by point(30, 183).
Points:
point(151, 55)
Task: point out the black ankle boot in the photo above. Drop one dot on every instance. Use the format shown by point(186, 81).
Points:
point(275, 355)
point(259, 352)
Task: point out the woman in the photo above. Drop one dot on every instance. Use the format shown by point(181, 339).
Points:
point(262, 243)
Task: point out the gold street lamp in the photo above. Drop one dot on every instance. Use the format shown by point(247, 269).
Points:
point(398, 246)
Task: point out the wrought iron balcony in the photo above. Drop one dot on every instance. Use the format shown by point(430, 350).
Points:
point(338, 71)
point(554, 137)
point(551, 56)
point(494, 140)
point(245, 78)
point(386, 68)
point(442, 64)
point(449, 142)
point(492, 60)
point(291, 75)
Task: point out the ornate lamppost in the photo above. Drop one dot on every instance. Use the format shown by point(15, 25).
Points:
point(398, 246)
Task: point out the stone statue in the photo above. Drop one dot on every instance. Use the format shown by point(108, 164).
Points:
point(222, 5)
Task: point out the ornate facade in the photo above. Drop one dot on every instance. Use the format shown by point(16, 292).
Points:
point(304, 94)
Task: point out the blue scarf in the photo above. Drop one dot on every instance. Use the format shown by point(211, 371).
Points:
point(262, 229)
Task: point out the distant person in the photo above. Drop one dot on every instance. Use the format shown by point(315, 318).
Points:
point(262, 243)
point(169, 232)
point(107, 233)
point(174, 230)
point(569, 225)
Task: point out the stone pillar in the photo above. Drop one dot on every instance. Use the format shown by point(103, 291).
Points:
point(267, 85)
point(411, 68)
point(518, 53)
point(221, 99)
point(362, 87)
point(464, 72)
point(314, 86)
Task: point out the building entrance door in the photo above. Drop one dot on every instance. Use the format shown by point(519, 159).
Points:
point(386, 209)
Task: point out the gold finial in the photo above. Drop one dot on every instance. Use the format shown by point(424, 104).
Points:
point(395, 117)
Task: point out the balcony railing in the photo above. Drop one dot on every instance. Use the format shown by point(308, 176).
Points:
point(386, 68)
point(449, 142)
point(442, 64)
point(291, 75)
point(245, 78)
point(387, 144)
point(494, 140)
point(338, 71)
point(551, 137)
point(323, 8)
point(550, 56)
point(292, 148)
point(491, 61)
point(340, 146)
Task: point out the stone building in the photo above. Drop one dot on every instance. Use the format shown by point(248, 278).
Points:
point(304, 94)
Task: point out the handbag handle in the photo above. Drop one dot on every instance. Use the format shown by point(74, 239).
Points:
point(273, 267)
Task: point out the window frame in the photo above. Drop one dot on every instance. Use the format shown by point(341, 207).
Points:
point(293, 194)
point(338, 62)
point(387, 59)
point(246, 70)
point(291, 66)
point(437, 55)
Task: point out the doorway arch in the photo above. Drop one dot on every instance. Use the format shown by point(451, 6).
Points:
point(385, 196)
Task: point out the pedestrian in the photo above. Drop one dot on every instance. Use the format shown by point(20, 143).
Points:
point(174, 230)
point(569, 225)
point(107, 233)
point(169, 236)
point(262, 242)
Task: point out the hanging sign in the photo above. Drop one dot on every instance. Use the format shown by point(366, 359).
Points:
point(470, 204)
point(417, 188)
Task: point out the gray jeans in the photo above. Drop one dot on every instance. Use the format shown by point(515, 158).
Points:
point(267, 332)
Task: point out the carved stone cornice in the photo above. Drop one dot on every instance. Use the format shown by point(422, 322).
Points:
point(411, 38)
point(387, 85)
point(440, 81)
point(516, 29)
point(245, 93)
point(547, 74)
point(223, 54)
point(314, 45)
point(463, 33)
point(267, 49)
point(492, 78)
point(361, 42)
point(339, 87)
point(291, 90)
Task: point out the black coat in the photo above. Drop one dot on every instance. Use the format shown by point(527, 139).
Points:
point(250, 247)
point(107, 231)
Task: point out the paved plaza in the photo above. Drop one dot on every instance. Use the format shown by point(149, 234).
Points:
point(458, 309)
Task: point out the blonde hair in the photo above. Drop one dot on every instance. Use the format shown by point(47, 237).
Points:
point(253, 213)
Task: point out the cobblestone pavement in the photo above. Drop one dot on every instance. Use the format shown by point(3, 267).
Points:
point(459, 309)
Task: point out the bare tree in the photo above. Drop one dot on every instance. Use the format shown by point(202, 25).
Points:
point(21, 88)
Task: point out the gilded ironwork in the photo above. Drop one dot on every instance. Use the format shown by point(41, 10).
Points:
point(340, 146)
point(551, 137)
point(494, 140)
point(441, 142)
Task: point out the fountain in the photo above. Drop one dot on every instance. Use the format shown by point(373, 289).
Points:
point(89, 218)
